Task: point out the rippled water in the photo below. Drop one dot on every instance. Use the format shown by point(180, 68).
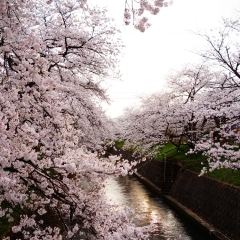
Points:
point(168, 225)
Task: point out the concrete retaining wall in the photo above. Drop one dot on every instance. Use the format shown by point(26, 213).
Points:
point(154, 171)
point(215, 202)
point(213, 205)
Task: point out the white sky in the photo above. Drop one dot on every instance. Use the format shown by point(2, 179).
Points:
point(167, 44)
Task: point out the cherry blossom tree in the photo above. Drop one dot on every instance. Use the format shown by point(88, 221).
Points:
point(199, 103)
point(186, 85)
point(53, 57)
point(137, 11)
point(169, 116)
point(203, 99)
point(189, 81)
point(142, 127)
point(220, 105)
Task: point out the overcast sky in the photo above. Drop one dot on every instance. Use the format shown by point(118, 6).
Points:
point(167, 44)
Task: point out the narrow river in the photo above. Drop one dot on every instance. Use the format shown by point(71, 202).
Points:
point(168, 225)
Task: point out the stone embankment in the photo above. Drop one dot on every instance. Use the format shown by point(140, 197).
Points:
point(211, 205)
point(215, 202)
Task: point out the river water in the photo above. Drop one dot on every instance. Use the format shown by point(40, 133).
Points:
point(168, 225)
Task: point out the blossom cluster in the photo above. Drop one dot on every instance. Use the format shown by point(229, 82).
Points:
point(53, 56)
point(200, 106)
point(138, 11)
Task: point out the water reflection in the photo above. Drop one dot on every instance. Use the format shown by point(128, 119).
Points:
point(127, 191)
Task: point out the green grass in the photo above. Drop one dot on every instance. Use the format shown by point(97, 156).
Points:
point(119, 144)
point(172, 153)
point(226, 175)
point(195, 162)
point(189, 161)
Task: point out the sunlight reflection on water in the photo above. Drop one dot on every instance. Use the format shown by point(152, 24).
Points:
point(127, 191)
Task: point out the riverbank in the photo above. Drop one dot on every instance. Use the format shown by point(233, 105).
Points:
point(211, 205)
point(188, 214)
